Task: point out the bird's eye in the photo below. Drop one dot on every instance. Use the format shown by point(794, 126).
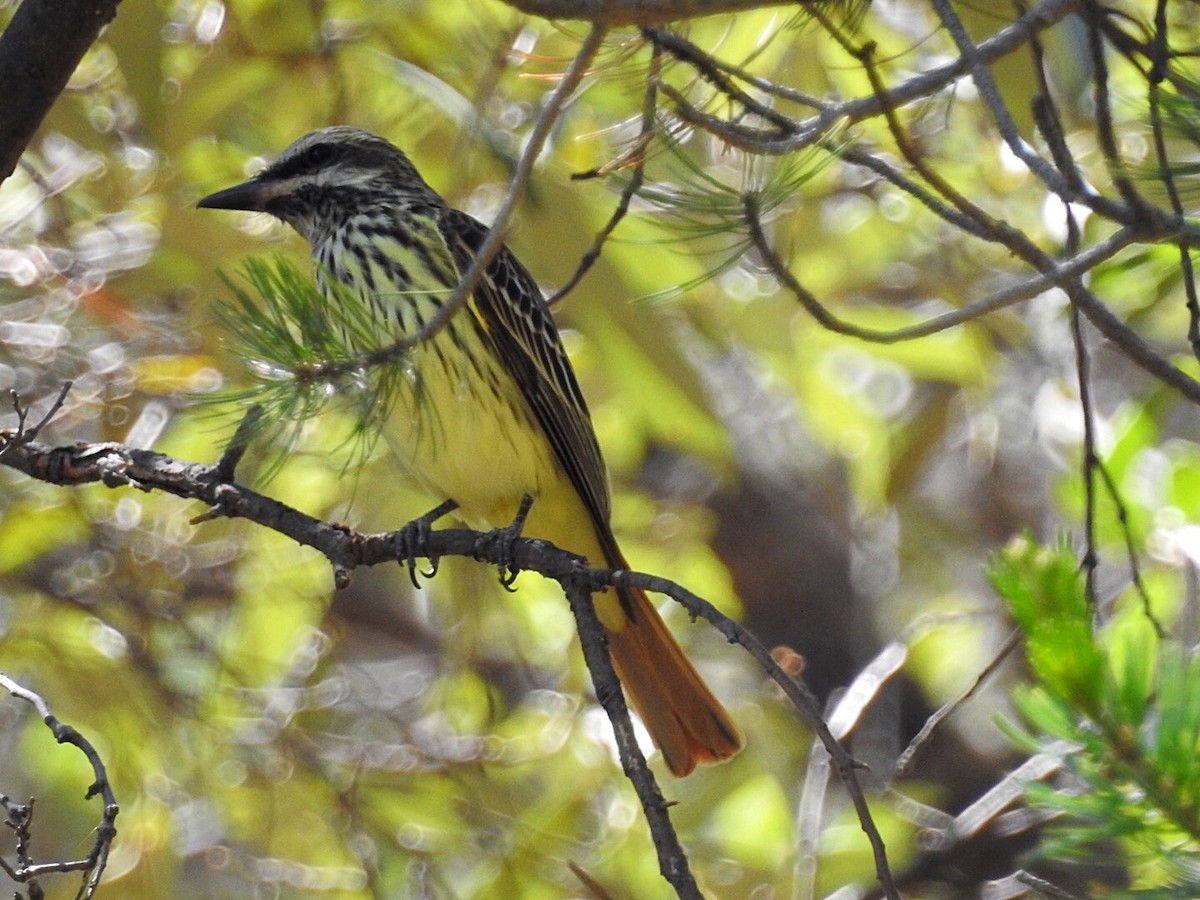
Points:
point(319, 154)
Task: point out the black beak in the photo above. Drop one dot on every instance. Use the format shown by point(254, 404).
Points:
point(249, 196)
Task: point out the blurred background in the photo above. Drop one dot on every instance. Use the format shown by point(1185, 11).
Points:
point(268, 736)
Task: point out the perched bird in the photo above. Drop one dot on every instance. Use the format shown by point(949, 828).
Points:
point(491, 410)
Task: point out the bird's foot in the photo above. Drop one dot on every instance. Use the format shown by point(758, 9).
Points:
point(412, 538)
point(502, 539)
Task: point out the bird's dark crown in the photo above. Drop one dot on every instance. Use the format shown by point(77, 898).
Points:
point(342, 155)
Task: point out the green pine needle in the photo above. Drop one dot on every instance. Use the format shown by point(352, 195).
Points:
point(1120, 708)
point(700, 209)
point(305, 353)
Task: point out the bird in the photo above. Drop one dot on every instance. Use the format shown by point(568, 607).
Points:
point(491, 410)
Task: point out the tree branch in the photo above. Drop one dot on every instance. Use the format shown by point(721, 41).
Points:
point(20, 816)
point(1061, 274)
point(116, 465)
point(805, 132)
point(39, 50)
point(672, 861)
point(634, 12)
point(634, 156)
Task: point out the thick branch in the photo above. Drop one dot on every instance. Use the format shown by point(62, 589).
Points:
point(117, 465)
point(634, 12)
point(39, 50)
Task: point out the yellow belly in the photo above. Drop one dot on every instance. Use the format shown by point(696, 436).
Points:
point(465, 433)
point(461, 425)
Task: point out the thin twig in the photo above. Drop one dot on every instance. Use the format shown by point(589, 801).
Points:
point(917, 744)
point(993, 229)
point(636, 180)
point(1135, 572)
point(1166, 176)
point(1083, 375)
point(795, 689)
point(632, 12)
point(1044, 887)
point(672, 860)
point(843, 719)
point(93, 864)
point(805, 132)
point(1060, 276)
point(703, 63)
point(1001, 232)
point(1132, 344)
point(21, 434)
point(228, 463)
point(990, 95)
point(892, 175)
point(1049, 121)
point(1102, 106)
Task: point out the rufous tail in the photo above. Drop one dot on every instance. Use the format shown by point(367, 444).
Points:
point(688, 724)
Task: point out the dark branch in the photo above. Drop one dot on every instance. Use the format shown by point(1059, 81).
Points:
point(20, 816)
point(672, 861)
point(633, 12)
point(116, 465)
point(23, 433)
point(635, 156)
point(39, 50)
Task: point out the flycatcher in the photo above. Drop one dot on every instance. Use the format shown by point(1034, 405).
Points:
point(490, 409)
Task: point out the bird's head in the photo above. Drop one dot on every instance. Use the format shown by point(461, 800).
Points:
point(325, 176)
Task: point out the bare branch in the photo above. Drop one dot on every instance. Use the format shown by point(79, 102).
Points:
point(806, 132)
point(672, 860)
point(990, 95)
point(1132, 344)
point(1062, 274)
point(1135, 572)
point(39, 50)
point(794, 688)
point(21, 433)
point(638, 153)
point(1102, 97)
point(929, 728)
point(632, 12)
point(227, 464)
point(1167, 176)
point(93, 864)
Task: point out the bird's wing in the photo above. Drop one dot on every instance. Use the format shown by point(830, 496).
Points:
point(517, 321)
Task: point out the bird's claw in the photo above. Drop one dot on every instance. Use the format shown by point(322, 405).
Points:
point(504, 539)
point(413, 537)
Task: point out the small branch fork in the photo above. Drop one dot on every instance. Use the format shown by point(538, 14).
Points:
point(757, 126)
point(23, 433)
point(766, 131)
point(116, 465)
point(19, 816)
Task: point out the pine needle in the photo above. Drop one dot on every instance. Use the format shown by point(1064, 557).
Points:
point(305, 354)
